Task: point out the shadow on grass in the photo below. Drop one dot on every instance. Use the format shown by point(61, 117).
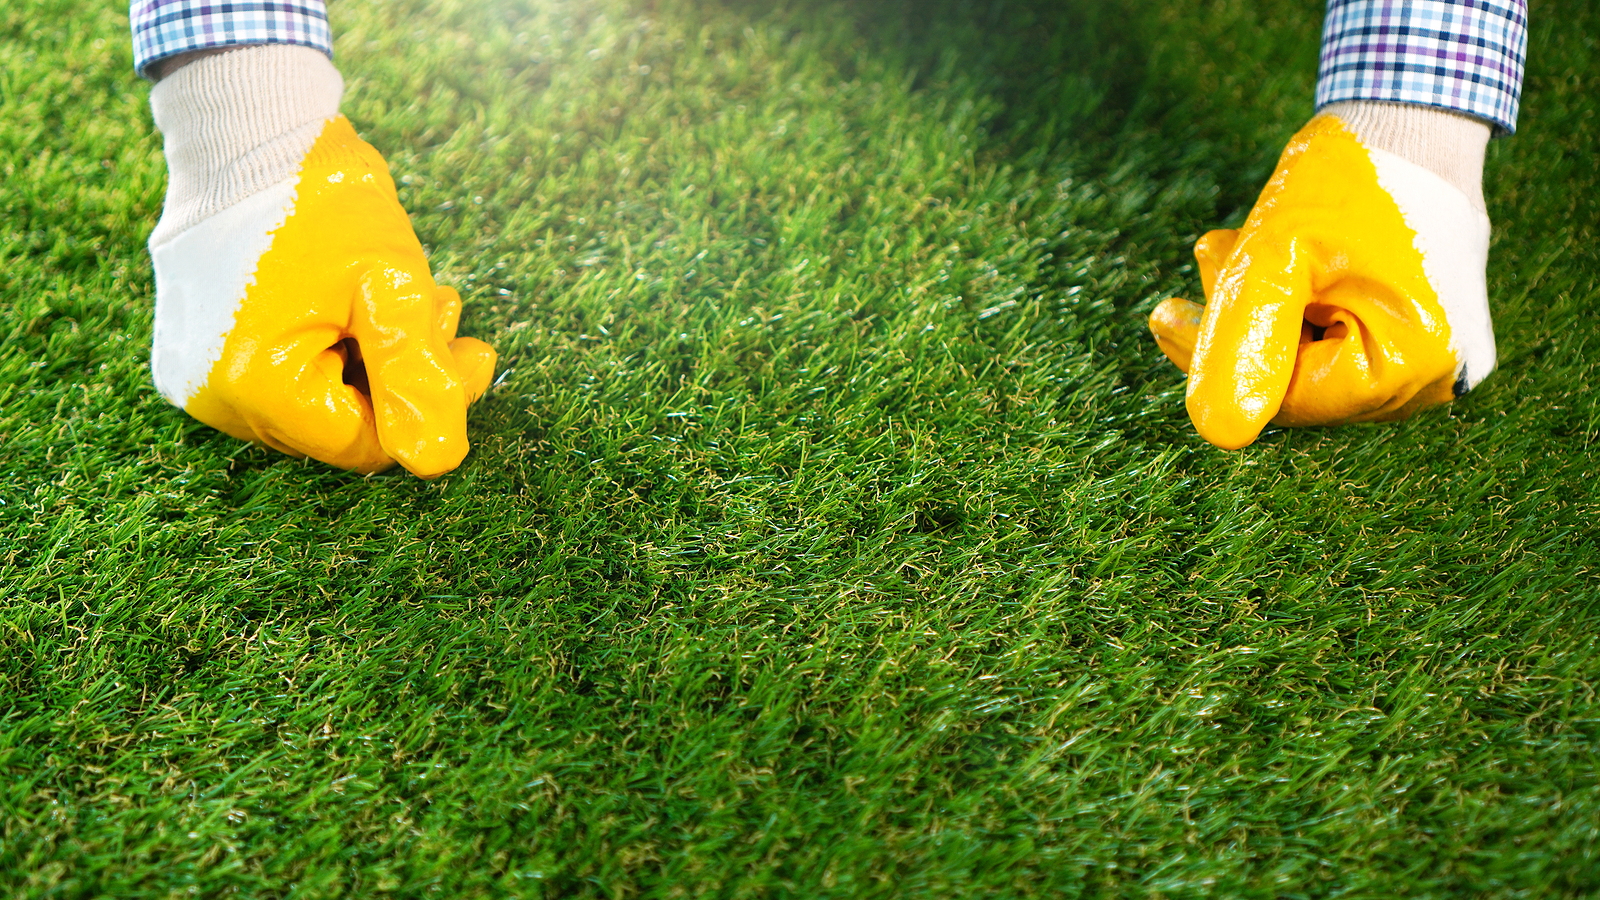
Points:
point(1092, 80)
point(1171, 122)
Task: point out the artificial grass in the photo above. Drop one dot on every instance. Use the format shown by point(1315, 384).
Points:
point(835, 528)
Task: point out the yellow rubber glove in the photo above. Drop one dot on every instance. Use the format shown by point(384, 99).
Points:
point(1354, 292)
point(303, 314)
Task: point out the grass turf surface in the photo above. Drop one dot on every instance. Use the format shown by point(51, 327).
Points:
point(836, 528)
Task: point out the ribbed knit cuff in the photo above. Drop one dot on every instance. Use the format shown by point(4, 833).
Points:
point(237, 123)
point(1448, 144)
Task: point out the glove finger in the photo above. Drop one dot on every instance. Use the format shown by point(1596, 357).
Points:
point(1176, 324)
point(1249, 335)
point(417, 395)
point(475, 361)
point(448, 311)
point(1347, 373)
point(1333, 374)
point(302, 405)
point(1211, 252)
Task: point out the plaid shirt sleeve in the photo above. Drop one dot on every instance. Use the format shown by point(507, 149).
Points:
point(1461, 55)
point(162, 28)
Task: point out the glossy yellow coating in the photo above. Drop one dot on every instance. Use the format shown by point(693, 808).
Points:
point(346, 276)
point(1318, 311)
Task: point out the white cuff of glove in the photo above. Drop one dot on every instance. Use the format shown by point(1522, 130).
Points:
point(1420, 153)
point(1448, 144)
point(237, 127)
point(236, 124)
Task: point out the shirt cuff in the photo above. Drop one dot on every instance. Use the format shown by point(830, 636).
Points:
point(163, 28)
point(1466, 56)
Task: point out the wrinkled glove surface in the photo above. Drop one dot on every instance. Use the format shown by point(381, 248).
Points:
point(1354, 292)
point(305, 317)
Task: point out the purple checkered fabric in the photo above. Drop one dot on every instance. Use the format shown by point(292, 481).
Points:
point(164, 27)
point(1461, 55)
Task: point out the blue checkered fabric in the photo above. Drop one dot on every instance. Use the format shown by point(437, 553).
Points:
point(162, 28)
point(1461, 55)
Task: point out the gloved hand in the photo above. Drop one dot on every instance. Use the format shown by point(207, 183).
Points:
point(294, 305)
point(1355, 290)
